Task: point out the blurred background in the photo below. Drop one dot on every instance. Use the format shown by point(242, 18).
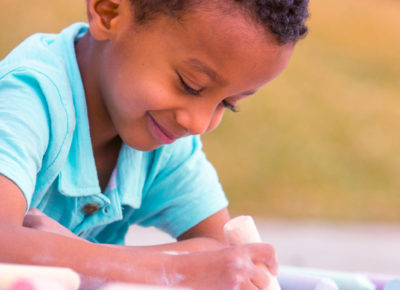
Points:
point(321, 142)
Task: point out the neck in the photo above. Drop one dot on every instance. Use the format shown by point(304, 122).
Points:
point(102, 130)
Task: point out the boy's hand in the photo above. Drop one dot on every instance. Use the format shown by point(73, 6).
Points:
point(36, 219)
point(227, 268)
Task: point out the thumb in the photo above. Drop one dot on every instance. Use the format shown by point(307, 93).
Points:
point(35, 211)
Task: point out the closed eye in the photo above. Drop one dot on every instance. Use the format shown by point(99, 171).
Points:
point(195, 92)
point(188, 88)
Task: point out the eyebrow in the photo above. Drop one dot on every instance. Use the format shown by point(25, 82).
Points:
point(202, 67)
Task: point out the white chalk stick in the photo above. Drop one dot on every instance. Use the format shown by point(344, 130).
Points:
point(11, 273)
point(125, 286)
point(243, 230)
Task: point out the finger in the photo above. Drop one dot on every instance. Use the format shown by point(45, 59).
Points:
point(248, 285)
point(30, 221)
point(260, 277)
point(35, 211)
point(33, 218)
point(265, 254)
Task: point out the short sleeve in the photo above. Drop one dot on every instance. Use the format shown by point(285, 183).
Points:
point(24, 132)
point(185, 191)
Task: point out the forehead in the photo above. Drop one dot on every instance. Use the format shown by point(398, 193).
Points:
point(228, 37)
point(221, 42)
point(225, 17)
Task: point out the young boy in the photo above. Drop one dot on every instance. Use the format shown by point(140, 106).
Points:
point(99, 130)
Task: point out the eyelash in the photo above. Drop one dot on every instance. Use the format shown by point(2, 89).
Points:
point(229, 106)
point(187, 88)
point(194, 92)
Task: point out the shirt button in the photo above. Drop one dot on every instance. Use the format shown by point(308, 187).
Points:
point(90, 208)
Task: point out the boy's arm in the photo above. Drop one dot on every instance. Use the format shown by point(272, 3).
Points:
point(225, 268)
point(208, 234)
point(204, 236)
point(95, 263)
point(212, 227)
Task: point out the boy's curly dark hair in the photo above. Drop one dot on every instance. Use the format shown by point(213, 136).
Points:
point(283, 18)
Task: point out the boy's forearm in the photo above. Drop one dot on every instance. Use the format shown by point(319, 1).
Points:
point(94, 262)
point(189, 245)
point(225, 268)
point(43, 241)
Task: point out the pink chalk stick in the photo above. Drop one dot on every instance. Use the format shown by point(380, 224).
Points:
point(36, 284)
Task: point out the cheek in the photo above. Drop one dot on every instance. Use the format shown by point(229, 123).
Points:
point(128, 92)
point(216, 119)
point(136, 82)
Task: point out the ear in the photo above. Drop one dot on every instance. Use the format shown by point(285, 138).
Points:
point(103, 16)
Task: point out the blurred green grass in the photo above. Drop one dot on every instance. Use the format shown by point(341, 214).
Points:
point(322, 140)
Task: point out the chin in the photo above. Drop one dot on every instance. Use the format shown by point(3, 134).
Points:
point(143, 147)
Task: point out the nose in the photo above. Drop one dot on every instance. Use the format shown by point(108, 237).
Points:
point(197, 121)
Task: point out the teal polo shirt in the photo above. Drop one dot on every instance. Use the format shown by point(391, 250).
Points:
point(46, 150)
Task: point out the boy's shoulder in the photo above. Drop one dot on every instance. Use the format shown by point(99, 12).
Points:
point(46, 54)
point(43, 69)
point(41, 78)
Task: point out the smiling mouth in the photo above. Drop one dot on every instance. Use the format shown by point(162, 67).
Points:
point(160, 132)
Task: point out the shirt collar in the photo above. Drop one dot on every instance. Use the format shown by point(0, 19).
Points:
point(130, 176)
point(79, 177)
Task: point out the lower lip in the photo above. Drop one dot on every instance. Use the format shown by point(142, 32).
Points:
point(158, 133)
